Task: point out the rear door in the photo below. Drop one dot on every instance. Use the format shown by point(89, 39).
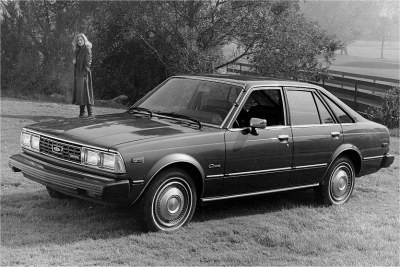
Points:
point(316, 135)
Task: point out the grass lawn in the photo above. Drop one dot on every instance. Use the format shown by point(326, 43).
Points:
point(277, 229)
point(364, 58)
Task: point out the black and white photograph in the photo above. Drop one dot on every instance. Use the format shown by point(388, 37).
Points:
point(200, 133)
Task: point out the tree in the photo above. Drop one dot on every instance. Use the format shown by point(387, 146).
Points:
point(291, 46)
point(138, 44)
point(388, 16)
point(6, 5)
point(168, 38)
point(36, 46)
point(187, 36)
point(345, 19)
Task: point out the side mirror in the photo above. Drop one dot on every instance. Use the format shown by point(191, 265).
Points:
point(255, 123)
point(258, 123)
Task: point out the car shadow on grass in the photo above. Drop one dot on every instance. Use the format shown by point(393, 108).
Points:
point(261, 204)
point(34, 218)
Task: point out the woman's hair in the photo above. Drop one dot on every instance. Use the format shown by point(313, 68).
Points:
point(75, 41)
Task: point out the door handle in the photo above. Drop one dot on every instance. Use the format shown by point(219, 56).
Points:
point(335, 134)
point(283, 137)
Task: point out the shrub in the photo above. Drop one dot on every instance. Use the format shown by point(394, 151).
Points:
point(388, 112)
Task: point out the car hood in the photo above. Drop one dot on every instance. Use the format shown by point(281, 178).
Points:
point(106, 131)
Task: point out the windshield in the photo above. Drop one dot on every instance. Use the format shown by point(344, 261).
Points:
point(205, 101)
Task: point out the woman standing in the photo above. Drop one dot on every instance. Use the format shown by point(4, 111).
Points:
point(83, 88)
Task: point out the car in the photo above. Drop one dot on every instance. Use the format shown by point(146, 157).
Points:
point(201, 138)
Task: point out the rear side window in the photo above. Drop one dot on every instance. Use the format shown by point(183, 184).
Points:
point(326, 117)
point(302, 108)
point(340, 114)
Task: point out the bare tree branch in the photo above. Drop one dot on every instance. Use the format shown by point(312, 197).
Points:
point(152, 48)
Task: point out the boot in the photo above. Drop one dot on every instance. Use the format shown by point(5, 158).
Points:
point(90, 110)
point(81, 111)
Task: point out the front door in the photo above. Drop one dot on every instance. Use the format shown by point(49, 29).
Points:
point(260, 160)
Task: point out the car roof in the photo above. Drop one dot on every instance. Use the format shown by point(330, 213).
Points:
point(248, 81)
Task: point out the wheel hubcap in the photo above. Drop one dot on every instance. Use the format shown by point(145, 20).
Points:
point(341, 183)
point(172, 204)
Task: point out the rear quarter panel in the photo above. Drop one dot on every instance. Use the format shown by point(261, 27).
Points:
point(368, 137)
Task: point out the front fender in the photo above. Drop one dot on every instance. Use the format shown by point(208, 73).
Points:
point(169, 160)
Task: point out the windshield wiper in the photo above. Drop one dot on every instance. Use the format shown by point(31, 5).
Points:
point(142, 109)
point(180, 116)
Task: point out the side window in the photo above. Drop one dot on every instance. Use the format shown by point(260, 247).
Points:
point(340, 114)
point(302, 108)
point(324, 114)
point(263, 104)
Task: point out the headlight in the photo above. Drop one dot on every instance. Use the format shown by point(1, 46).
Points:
point(35, 141)
point(108, 161)
point(91, 157)
point(26, 139)
point(30, 141)
point(103, 160)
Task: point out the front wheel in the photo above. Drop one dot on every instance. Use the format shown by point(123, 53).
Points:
point(169, 202)
point(338, 184)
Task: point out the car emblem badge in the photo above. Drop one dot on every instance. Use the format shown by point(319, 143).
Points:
point(214, 166)
point(57, 149)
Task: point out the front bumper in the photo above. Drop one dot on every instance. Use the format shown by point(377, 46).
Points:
point(74, 183)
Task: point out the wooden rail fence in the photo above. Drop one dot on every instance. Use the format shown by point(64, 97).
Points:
point(358, 91)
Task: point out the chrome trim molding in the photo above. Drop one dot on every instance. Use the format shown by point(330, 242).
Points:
point(258, 172)
point(214, 176)
point(314, 125)
point(137, 182)
point(310, 166)
point(209, 199)
point(234, 174)
point(363, 133)
point(375, 157)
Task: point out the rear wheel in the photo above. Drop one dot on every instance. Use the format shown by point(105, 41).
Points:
point(169, 202)
point(338, 184)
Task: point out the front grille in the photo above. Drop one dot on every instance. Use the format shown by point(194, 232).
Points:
point(60, 149)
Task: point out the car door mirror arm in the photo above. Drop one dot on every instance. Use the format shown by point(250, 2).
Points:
point(255, 123)
point(245, 130)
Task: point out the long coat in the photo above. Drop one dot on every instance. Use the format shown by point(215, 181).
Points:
point(83, 88)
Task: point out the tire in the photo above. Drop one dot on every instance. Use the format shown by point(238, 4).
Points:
point(169, 202)
point(55, 194)
point(338, 183)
